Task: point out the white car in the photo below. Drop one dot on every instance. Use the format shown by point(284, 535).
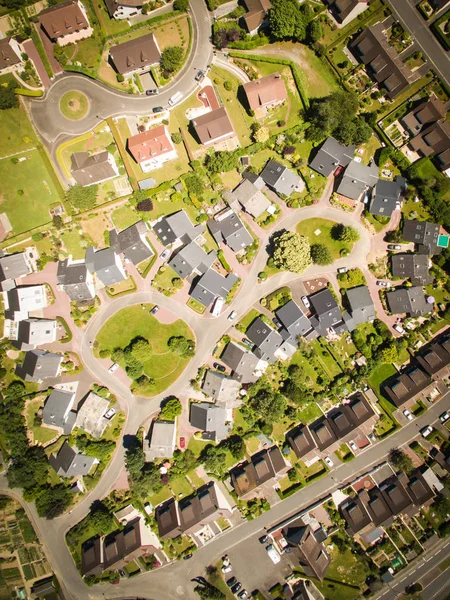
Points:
point(113, 368)
point(306, 301)
point(275, 557)
point(384, 284)
point(328, 461)
point(110, 413)
point(353, 446)
point(232, 315)
point(164, 254)
point(227, 568)
point(408, 415)
point(426, 431)
point(399, 329)
point(444, 417)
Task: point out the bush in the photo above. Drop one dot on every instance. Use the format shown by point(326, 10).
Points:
point(120, 78)
point(177, 138)
point(181, 5)
point(321, 255)
point(228, 85)
point(145, 205)
point(37, 237)
point(171, 58)
point(104, 353)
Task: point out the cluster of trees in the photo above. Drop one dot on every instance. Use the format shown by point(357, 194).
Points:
point(433, 190)
point(135, 355)
point(171, 59)
point(82, 198)
point(181, 346)
point(290, 20)
point(345, 233)
point(291, 252)
point(145, 478)
point(221, 162)
point(170, 409)
point(321, 254)
point(227, 32)
point(101, 449)
point(8, 98)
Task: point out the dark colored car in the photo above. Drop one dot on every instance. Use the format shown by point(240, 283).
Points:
point(187, 556)
point(200, 75)
point(236, 587)
point(154, 310)
point(232, 581)
point(219, 367)
point(151, 92)
point(247, 343)
point(263, 539)
point(157, 109)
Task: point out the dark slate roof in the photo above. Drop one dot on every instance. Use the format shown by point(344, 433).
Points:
point(313, 557)
point(177, 226)
point(120, 544)
point(340, 422)
point(423, 234)
point(198, 509)
point(433, 358)
point(91, 557)
point(39, 365)
point(212, 285)
point(358, 410)
point(395, 495)
point(42, 588)
point(70, 463)
point(355, 514)
point(168, 520)
point(263, 466)
point(278, 177)
point(229, 228)
point(13, 266)
point(406, 385)
point(322, 433)
point(300, 440)
point(411, 266)
point(191, 258)
point(418, 489)
point(266, 339)
point(132, 243)
point(356, 179)
point(330, 156)
point(327, 313)
point(385, 196)
point(56, 408)
point(376, 506)
point(241, 362)
point(88, 169)
point(210, 418)
point(410, 300)
point(293, 319)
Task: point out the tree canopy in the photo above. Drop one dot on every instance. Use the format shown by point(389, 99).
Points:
point(400, 460)
point(221, 162)
point(171, 58)
point(213, 459)
point(321, 255)
point(287, 20)
point(82, 198)
point(268, 405)
point(181, 5)
point(170, 409)
point(292, 252)
point(8, 98)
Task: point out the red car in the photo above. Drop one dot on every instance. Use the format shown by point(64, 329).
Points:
point(182, 443)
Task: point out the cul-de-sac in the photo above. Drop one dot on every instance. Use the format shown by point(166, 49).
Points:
point(225, 299)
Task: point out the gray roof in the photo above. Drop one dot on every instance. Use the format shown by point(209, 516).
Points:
point(212, 285)
point(266, 339)
point(35, 332)
point(73, 277)
point(191, 258)
point(327, 313)
point(281, 179)
point(223, 388)
point(70, 463)
point(177, 226)
point(412, 266)
point(362, 309)
point(13, 266)
point(88, 169)
point(423, 234)
point(91, 413)
point(408, 300)
point(249, 196)
point(211, 419)
point(57, 410)
point(331, 155)
point(161, 440)
point(231, 230)
point(293, 319)
point(356, 179)
point(39, 365)
point(241, 362)
point(385, 196)
point(132, 243)
point(103, 264)
point(256, 179)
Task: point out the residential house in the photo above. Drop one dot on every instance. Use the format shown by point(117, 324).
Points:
point(355, 515)
point(424, 235)
point(266, 339)
point(91, 415)
point(312, 554)
point(177, 227)
point(12, 267)
point(167, 518)
point(39, 365)
point(340, 422)
point(257, 15)
point(300, 440)
point(327, 315)
point(429, 111)
point(132, 243)
point(248, 197)
point(434, 358)
point(443, 460)
point(413, 267)
point(58, 413)
point(161, 440)
point(89, 169)
point(66, 23)
point(263, 467)
point(358, 410)
point(245, 366)
point(212, 285)
point(395, 494)
point(406, 385)
point(212, 420)
point(152, 148)
point(124, 9)
point(254, 178)
point(35, 332)
point(10, 55)
point(294, 322)
point(345, 11)
point(68, 462)
point(213, 127)
point(106, 264)
point(408, 300)
point(361, 307)
point(224, 389)
point(135, 56)
point(386, 197)
point(434, 139)
point(266, 92)
point(322, 433)
point(357, 179)
point(75, 279)
point(227, 227)
point(382, 61)
point(330, 156)
point(42, 588)
point(417, 488)
point(20, 301)
point(192, 259)
point(378, 509)
point(205, 506)
point(280, 179)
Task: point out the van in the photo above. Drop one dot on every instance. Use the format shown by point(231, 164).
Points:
point(175, 98)
point(275, 557)
point(218, 305)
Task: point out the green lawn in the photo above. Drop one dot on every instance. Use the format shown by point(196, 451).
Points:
point(181, 487)
point(163, 280)
point(196, 445)
point(16, 131)
point(124, 217)
point(308, 227)
point(74, 105)
point(161, 496)
point(135, 321)
point(377, 377)
point(248, 319)
point(195, 479)
point(309, 413)
point(308, 369)
point(326, 359)
point(196, 306)
point(41, 435)
point(72, 242)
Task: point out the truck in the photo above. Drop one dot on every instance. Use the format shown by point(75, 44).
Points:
point(217, 306)
point(275, 557)
point(175, 98)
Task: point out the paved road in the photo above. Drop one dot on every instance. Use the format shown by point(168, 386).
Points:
point(106, 102)
point(440, 588)
point(408, 15)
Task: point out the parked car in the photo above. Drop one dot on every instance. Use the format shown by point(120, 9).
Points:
point(236, 587)
point(274, 556)
point(264, 539)
point(383, 284)
point(276, 322)
point(113, 368)
point(200, 75)
point(187, 556)
point(353, 446)
point(408, 415)
point(306, 301)
point(219, 367)
point(154, 310)
point(122, 573)
point(328, 461)
point(394, 247)
point(399, 329)
point(154, 92)
point(444, 417)
point(232, 315)
point(165, 254)
point(182, 443)
point(342, 270)
point(227, 569)
point(243, 595)
point(232, 581)
point(157, 109)
point(110, 413)
point(247, 343)
point(426, 431)
point(287, 550)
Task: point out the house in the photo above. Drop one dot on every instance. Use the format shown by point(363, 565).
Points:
point(386, 197)
point(312, 554)
point(345, 11)
point(408, 300)
point(66, 23)
point(212, 127)
point(19, 302)
point(248, 197)
point(177, 227)
point(152, 148)
point(227, 227)
point(89, 169)
point(413, 267)
point(300, 440)
point(358, 410)
point(245, 366)
point(91, 415)
point(332, 155)
point(42, 588)
point(382, 61)
point(322, 433)
point(10, 55)
point(39, 365)
point(361, 307)
point(266, 339)
point(71, 463)
point(167, 518)
point(279, 178)
point(124, 9)
point(442, 459)
point(135, 56)
point(434, 359)
point(256, 16)
point(254, 178)
point(212, 420)
point(224, 389)
point(340, 422)
point(207, 505)
point(13, 266)
point(192, 259)
point(406, 385)
point(92, 557)
point(418, 489)
point(395, 494)
point(355, 515)
point(429, 111)
point(424, 235)
point(294, 322)
point(375, 504)
point(58, 413)
point(265, 92)
point(160, 442)
point(106, 265)
point(212, 285)
point(434, 139)
point(35, 332)
point(357, 179)
point(327, 315)
point(132, 243)
point(75, 279)
point(263, 467)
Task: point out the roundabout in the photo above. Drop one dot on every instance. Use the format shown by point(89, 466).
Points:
point(74, 105)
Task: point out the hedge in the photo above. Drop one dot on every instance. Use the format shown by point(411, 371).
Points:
point(32, 93)
point(66, 327)
point(250, 44)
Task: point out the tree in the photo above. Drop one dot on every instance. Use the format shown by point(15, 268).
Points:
point(171, 58)
point(53, 501)
point(82, 198)
point(135, 460)
point(389, 354)
point(8, 98)
point(194, 185)
point(140, 349)
point(236, 445)
point(441, 507)
point(206, 591)
point(261, 135)
point(314, 31)
point(221, 162)
point(292, 252)
point(345, 233)
point(321, 255)
point(287, 21)
point(327, 117)
point(145, 205)
point(58, 222)
point(101, 519)
point(177, 138)
point(170, 409)
point(400, 461)
point(181, 5)
point(213, 459)
point(29, 468)
point(270, 406)
point(182, 346)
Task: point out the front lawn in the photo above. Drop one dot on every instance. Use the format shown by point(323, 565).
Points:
point(309, 228)
point(124, 217)
point(379, 375)
point(247, 320)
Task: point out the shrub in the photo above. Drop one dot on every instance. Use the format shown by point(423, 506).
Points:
point(145, 205)
point(120, 78)
point(177, 138)
point(228, 85)
point(37, 237)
